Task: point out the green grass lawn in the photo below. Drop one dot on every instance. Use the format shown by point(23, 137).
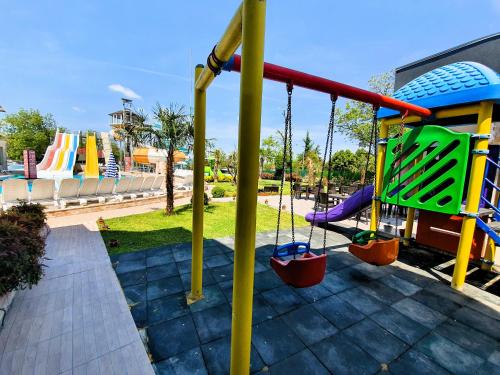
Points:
point(154, 229)
point(230, 188)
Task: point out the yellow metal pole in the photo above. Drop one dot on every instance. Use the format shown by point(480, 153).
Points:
point(410, 216)
point(228, 44)
point(379, 177)
point(198, 191)
point(252, 66)
point(473, 196)
point(460, 111)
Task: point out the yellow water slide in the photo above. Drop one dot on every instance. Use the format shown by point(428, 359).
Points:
point(91, 165)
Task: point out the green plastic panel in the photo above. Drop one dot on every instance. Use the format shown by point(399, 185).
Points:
point(433, 169)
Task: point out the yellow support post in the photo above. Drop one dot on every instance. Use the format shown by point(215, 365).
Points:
point(410, 216)
point(460, 111)
point(379, 177)
point(228, 44)
point(198, 191)
point(473, 196)
point(252, 66)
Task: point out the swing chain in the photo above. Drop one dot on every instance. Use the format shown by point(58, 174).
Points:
point(375, 151)
point(329, 142)
point(285, 146)
point(399, 159)
point(373, 134)
point(289, 88)
point(331, 125)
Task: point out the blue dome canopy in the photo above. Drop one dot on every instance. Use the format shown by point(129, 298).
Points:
point(453, 84)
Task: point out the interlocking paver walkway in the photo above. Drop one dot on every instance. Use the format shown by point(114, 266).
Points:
point(76, 320)
point(360, 319)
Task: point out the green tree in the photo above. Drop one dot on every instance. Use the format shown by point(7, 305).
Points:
point(345, 166)
point(355, 119)
point(361, 156)
point(175, 131)
point(309, 157)
point(270, 151)
point(219, 159)
point(28, 129)
point(232, 165)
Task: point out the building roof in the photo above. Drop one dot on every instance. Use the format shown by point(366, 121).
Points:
point(453, 84)
point(449, 51)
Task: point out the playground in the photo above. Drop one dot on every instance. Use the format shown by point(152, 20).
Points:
point(396, 273)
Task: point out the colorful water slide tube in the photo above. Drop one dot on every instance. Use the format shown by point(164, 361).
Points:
point(91, 161)
point(355, 203)
point(63, 160)
point(49, 154)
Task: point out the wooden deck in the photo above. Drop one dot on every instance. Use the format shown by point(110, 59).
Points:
point(76, 320)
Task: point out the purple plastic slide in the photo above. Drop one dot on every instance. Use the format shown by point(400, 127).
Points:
point(358, 201)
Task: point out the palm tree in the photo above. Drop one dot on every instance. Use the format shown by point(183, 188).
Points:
point(175, 131)
point(209, 142)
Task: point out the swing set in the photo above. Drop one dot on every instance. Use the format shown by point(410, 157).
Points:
point(294, 262)
point(247, 29)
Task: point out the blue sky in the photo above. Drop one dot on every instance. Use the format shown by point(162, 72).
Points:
point(66, 57)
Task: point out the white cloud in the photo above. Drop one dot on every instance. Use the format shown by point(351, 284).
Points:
point(128, 92)
point(77, 109)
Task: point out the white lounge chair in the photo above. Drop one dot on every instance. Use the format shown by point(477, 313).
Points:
point(105, 189)
point(14, 190)
point(121, 188)
point(158, 185)
point(43, 191)
point(134, 189)
point(88, 191)
point(147, 185)
point(68, 192)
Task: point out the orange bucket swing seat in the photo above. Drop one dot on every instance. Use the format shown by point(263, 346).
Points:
point(376, 251)
point(304, 271)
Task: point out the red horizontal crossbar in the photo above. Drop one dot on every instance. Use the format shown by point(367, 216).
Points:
point(309, 81)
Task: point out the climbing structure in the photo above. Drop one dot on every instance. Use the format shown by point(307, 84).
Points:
point(442, 170)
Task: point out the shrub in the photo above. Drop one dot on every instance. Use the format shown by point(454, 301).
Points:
point(218, 192)
point(21, 255)
point(225, 178)
point(267, 176)
point(205, 199)
point(209, 179)
point(30, 216)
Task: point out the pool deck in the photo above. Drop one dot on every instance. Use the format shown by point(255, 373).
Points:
point(395, 319)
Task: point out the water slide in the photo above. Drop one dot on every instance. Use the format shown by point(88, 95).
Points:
point(348, 208)
point(49, 154)
point(91, 162)
point(60, 157)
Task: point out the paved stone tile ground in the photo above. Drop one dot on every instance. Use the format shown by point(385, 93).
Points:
point(361, 319)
